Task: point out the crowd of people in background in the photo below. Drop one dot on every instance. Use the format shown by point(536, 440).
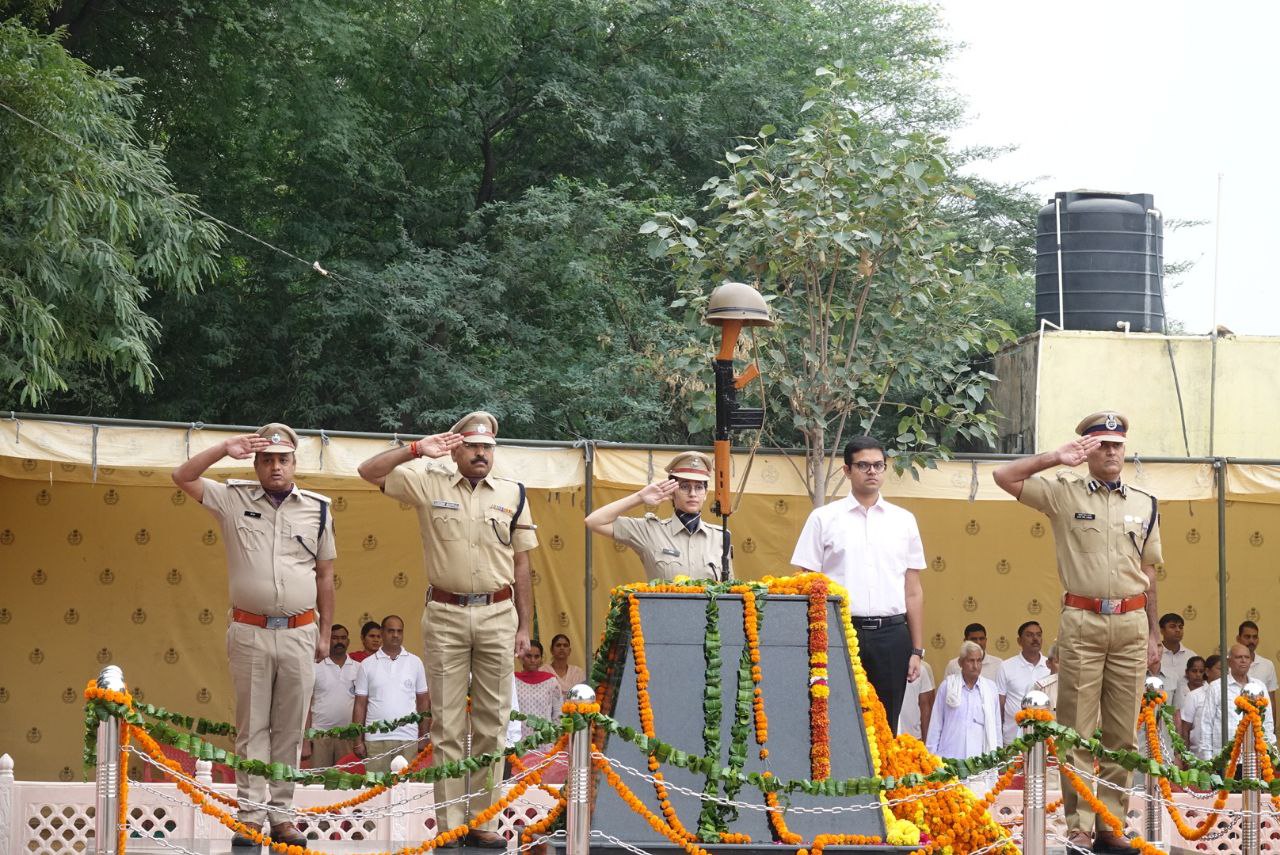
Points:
point(980, 694)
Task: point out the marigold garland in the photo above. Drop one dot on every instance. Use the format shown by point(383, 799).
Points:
point(1082, 789)
point(819, 691)
point(1147, 718)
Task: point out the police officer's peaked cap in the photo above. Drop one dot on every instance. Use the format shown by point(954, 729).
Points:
point(691, 466)
point(478, 427)
point(283, 439)
point(1108, 426)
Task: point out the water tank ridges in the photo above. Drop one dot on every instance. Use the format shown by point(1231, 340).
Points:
point(1111, 250)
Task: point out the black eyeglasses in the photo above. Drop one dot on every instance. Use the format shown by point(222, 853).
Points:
point(864, 467)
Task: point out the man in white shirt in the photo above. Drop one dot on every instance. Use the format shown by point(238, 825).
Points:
point(873, 549)
point(917, 703)
point(1263, 669)
point(977, 633)
point(1209, 718)
point(966, 712)
point(1197, 678)
point(1174, 656)
point(1019, 674)
point(392, 683)
point(332, 700)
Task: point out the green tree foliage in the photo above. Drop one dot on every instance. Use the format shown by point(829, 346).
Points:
point(877, 304)
point(474, 173)
point(90, 224)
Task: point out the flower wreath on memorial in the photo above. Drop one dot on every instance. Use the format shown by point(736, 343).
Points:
point(920, 806)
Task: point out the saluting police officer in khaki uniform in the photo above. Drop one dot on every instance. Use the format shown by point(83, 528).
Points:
point(476, 535)
point(1107, 537)
point(683, 544)
point(280, 552)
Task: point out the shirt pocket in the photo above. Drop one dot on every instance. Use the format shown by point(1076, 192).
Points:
point(1088, 536)
point(303, 542)
point(447, 524)
point(253, 535)
point(497, 527)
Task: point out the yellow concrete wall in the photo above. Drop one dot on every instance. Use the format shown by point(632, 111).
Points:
point(1082, 372)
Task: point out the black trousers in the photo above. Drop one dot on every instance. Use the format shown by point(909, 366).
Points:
point(885, 654)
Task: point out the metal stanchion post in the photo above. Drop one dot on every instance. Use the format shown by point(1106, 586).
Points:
point(1034, 783)
point(1153, 829)
point(578, 801)
point(110, 772)
point(1250, 802)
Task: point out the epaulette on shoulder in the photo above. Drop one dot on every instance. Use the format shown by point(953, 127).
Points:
point(317, 496)
point(1070, 476)
point(652, 517)
point(504, 478)
point(241, 482)
point(1147, 493)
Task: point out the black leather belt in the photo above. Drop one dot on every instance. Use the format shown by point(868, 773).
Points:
point(872, 623)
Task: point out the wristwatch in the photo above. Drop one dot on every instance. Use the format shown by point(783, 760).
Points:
point(917, 651)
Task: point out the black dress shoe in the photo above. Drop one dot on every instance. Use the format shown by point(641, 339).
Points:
point(486, 840)
point(455, 843)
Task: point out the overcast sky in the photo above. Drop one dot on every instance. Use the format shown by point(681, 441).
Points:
point(1141, 97)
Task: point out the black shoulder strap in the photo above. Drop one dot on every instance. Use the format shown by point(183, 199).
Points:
point(519, 510)
point(324, 518)
point(1155, 519)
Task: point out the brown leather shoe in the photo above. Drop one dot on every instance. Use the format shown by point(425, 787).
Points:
point(486, 840)
point(288, 834)
point(1114, 844)
point(1079, 843)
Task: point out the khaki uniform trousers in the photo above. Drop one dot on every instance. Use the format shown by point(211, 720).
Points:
point(326, 751)
point(469, 648)
point(374, 747)
point(273, 672)
point(1101, 667)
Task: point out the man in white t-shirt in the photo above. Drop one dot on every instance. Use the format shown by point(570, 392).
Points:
point(1019, 674)
point(917, 703)
point(1198, 676)
point(977, 633)
point(873, 549)
point(332, 700)
point(1174, 656)
point(392, 684)
point(1263, 669)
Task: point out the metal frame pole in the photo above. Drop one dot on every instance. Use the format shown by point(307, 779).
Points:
point(1034, 781)
point(1153, 826)
point(109, 772)
point(1250, 800)
point(1220, 480)
point(578, 800)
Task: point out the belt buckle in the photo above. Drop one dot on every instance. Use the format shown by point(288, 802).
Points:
point(1109, 606)
point(475, 599)
point(879, 622)
point(277, 622)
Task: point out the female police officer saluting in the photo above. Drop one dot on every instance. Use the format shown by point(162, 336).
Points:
point(681, 545)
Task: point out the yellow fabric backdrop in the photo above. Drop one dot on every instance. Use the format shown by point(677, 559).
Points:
point(127, 570)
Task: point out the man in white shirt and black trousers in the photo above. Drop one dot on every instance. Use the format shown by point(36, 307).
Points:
point(873, 549)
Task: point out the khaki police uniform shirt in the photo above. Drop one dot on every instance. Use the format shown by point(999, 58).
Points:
point(271, 552)
point(1102, 537)
point(467, 541)
point(667, 549)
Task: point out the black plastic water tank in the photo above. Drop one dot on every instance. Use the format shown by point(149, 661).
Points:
point(1109, 248)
